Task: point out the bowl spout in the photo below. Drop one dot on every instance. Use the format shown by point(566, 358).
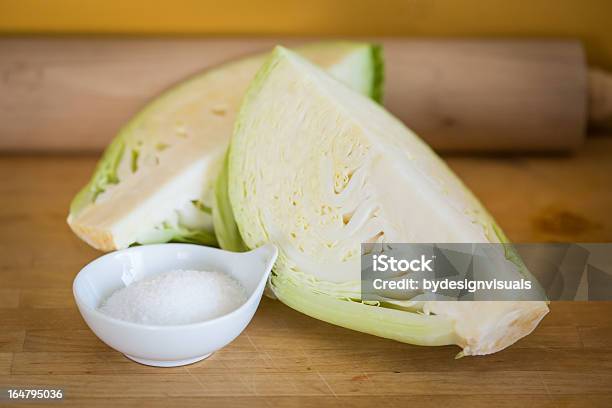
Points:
point(265, 256)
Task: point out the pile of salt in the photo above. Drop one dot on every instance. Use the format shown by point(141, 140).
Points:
point(176, 297)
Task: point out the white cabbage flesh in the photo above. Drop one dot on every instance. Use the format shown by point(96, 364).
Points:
point(317, 169)
point(155, 182)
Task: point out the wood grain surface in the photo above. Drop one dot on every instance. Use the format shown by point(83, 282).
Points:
point(74, 94)
point(285, 359)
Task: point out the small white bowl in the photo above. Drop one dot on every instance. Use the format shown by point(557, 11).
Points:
point(170, 346)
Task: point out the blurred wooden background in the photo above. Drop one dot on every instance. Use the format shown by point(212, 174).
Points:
point(72, 93)
point(587, 20)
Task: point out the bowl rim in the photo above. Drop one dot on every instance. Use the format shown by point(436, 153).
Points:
point(113, 320)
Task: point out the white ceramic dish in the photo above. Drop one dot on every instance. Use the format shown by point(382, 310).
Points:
point(169, 346)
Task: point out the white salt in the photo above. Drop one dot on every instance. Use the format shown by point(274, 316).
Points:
point(176, 297)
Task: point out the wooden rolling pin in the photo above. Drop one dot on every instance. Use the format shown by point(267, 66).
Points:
point(64, 94)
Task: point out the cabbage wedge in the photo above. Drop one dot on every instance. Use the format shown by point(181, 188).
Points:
point(155, 181)
point(317, 169)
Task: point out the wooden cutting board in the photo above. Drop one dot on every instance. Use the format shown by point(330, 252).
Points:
point(285, 359)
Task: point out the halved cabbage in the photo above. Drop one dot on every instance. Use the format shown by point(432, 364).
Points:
point(155, 181)
point(317, 169)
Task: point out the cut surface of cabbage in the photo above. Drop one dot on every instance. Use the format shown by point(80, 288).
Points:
point(317, 169)
point(155, 181)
